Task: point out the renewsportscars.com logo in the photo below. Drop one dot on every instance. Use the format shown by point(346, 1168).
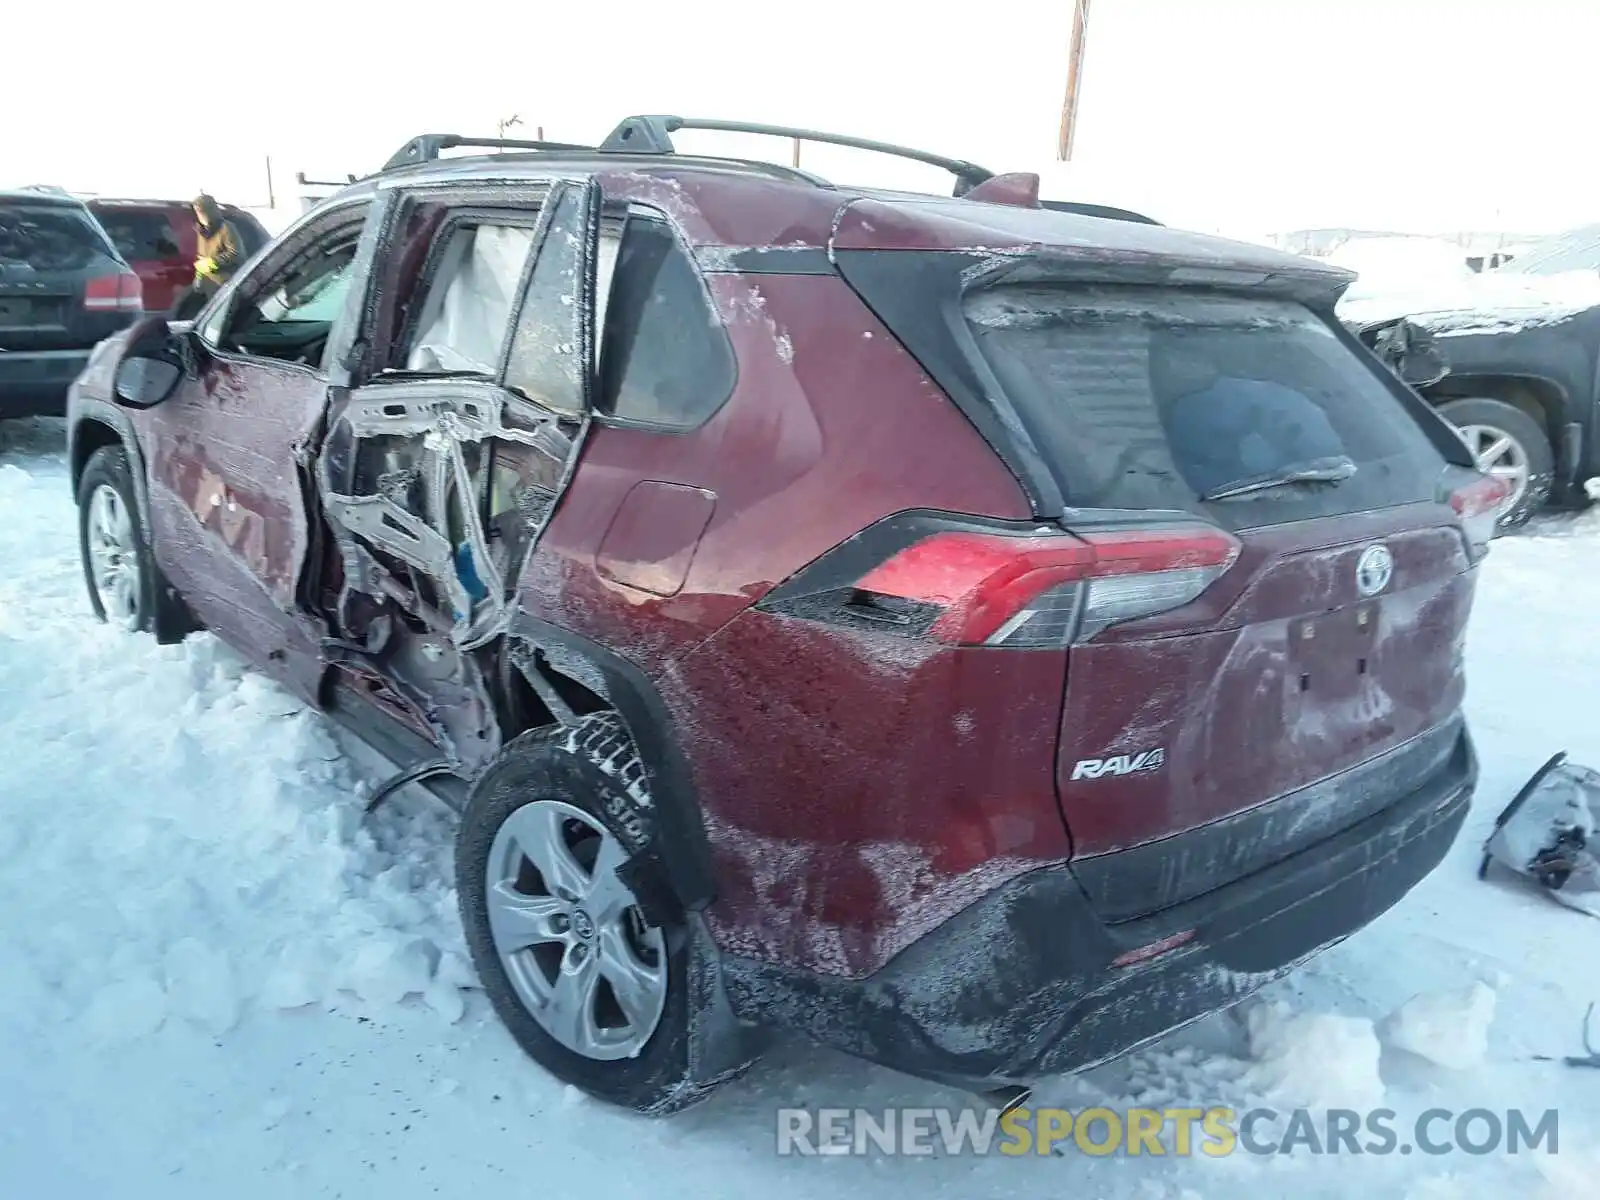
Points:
point(1162, 1132)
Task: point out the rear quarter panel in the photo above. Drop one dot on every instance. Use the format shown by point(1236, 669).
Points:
point(850, 796)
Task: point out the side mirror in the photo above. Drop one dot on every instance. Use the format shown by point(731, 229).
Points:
point(151, 365)
point(1410, 352)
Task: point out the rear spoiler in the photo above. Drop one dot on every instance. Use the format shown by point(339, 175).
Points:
point(1098, 210)
point(1313, 286)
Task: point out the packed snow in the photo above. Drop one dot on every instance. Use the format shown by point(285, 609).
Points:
point(1447, 1028)
point(217, 978)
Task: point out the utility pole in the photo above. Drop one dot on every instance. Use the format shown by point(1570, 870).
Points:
point(506, 123)
point(1069, 106)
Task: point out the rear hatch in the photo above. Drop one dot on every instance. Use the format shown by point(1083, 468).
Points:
point(1254, 664)
point(62, 284)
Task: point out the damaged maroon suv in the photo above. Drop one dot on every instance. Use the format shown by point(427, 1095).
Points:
point(978, 635)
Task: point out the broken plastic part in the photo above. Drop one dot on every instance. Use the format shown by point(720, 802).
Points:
point(1547, 834)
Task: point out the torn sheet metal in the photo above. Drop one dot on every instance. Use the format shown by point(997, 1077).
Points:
point(409, 512)
point(1547, 834)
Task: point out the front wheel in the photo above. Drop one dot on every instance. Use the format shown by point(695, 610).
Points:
point(1509, 444)
point(117, 565)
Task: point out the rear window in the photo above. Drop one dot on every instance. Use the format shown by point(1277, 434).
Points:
point(140, 236)
point(49, 237)
point(1156, 399)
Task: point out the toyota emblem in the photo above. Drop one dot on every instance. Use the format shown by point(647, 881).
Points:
point(1374, 569)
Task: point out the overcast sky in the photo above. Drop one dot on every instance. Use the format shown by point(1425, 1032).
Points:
point(1244, 116)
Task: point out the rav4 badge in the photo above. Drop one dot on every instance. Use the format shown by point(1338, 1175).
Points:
point(1120, 764)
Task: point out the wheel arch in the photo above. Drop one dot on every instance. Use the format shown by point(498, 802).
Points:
point(1541, 398)
point(98, 425)
point(586, 669)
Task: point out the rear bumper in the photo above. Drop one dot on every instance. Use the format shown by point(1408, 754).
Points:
point(1021, 984)
point(35, 382)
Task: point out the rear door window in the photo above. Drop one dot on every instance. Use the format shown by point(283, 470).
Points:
point(466, 310)
point(140, 236)
point(50, 237)
point(1160, 399)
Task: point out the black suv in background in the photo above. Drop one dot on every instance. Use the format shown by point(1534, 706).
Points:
point(63, 287)
point(1515, 366)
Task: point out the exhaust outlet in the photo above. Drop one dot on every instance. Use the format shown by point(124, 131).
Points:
point(1011, 1096)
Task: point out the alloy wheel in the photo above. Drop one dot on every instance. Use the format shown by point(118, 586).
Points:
point(569, 933)
point(1499, 454)
point(114, 556)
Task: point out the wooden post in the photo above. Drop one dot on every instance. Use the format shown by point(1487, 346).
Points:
point(1069, 106)
point(272, 197)
point(797, 153)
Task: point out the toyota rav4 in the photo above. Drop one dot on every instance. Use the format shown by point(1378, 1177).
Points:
point(976, 634)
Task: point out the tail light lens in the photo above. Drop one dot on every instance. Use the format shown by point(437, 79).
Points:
point(1478, 505)
point(970, 587)
point(122, 292)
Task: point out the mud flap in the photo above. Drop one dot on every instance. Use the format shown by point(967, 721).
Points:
point(1547, 834)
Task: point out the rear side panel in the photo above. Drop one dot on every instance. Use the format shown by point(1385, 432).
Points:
point(850, 785)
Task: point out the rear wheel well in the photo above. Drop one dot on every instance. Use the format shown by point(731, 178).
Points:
point(1539, 398)
point(91, 435)
point(531, 690)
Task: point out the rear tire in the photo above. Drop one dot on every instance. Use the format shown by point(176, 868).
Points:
point(587, 781)
point(1506, 441)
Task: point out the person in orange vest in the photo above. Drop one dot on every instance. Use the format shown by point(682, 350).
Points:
point(218, 248)
point(218, 251)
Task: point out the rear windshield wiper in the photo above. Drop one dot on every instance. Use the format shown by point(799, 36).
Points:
point(1317, 470)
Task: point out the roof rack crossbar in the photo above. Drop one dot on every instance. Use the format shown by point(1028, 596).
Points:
point(426, 147)
point(653, 135)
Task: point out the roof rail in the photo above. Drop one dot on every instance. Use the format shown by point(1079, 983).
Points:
point(653, 135)
point(425, 147)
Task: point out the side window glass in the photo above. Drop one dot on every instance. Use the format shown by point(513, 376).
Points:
point(289, 313)
point(545, 364)
point(463, 322)
point(666, 360)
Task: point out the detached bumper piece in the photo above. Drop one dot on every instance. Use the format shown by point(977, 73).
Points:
point(1548, 834)
point(1029, 982)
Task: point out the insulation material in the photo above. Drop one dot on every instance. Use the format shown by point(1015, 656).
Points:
point(463, 325)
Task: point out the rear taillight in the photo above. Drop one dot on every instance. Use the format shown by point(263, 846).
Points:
point(1478, 505)
point(122, 292)
point(970, 587)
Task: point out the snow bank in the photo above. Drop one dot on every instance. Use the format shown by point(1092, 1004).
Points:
point(1313, 1060)
point(1447, 1028)
point(183, 841)
point(1388, 262)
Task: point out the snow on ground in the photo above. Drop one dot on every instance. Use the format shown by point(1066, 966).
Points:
point(214, 978)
